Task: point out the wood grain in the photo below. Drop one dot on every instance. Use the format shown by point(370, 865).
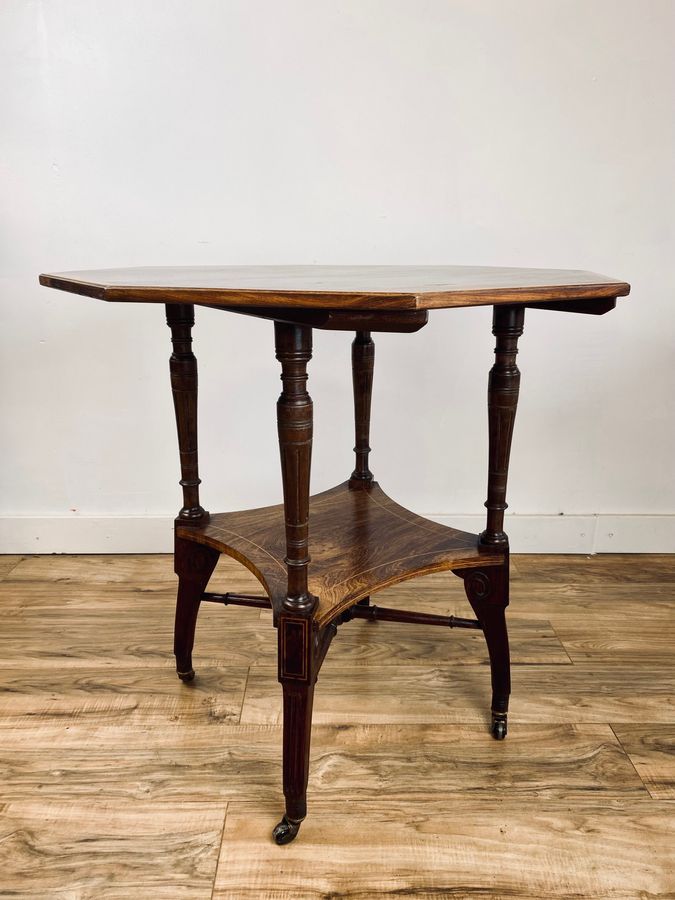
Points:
point(613, 850)
point(604, 568)
point(79, 637)
point(96, 569)
point(358, 762)
point(8, 563)
point(620, 642)
point(66, 594)
point(361, 542)
point(582, 693)
point(651, 749)
point(115, 625)
point(596, 601)
point(103, 695)
point(107, 849)
point(117, 778)
point(338, 287)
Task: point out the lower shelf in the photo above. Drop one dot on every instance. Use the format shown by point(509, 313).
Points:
point(360, 541)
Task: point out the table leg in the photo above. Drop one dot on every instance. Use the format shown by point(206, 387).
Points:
point(296, 630)
point(363, 364)
point(487, 590)
point(180, 318)
point(193, 563)
point(503, 387)
point(294, 421)
point(297, 674)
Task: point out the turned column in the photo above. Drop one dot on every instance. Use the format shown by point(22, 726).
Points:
point(180, 317)
point(503, 386)
point(294, 420)
point(296, 630)
point(363, 363)
point(193, 563)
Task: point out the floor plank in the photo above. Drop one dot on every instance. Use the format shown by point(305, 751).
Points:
point(140, 635)
point(619, 643)
point(593, 601)
point(537, 849)
point(404, 762)
point(104, 568)
point(361, 643)
point(111, 568)
point(651, 749)
point(605, 568)
point(107, 849)
point(127, 696)
point(136, 629)
point(585, 693)
point(8, 562)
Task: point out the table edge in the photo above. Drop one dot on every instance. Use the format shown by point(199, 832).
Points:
point(371, 300)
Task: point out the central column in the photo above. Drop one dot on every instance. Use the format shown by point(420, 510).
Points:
point(294, 420)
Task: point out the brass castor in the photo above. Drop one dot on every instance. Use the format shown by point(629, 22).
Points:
point(498, 728)
point(186, 676)
point(286, 831)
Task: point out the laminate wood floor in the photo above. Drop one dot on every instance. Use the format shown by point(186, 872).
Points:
point(119, 781)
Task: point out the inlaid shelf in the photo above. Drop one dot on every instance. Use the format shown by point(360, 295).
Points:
point(361, 541)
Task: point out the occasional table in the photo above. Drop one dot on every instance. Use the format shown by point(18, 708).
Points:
point(320, 558)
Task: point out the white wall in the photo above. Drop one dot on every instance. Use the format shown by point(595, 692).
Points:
point(486, 132)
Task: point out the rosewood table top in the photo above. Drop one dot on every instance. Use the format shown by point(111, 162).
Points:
point(339, 287)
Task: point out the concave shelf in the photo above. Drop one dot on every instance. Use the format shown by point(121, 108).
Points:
point(360, 541)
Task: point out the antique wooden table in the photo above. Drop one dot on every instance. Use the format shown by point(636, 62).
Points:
point(360, 540)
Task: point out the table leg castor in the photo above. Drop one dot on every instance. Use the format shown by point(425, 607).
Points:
point(286, 830)
point(498, 728)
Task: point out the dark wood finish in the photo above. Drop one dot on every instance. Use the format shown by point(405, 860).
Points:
point(487, 591)
point(338, 287)
point(302, 646)
point(194, 565)
point(363, 364)
point(503, 388)
point(362, 541)
point(183, 368)
point(593, 307)
point(404, 321)
point(230, 598)
point(294, 420)
point(410, 617)
point(297, 632)
point(297, 728)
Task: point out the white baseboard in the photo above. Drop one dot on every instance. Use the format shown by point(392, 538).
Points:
point(86, 534)
point(580, 534)
point(528, 534)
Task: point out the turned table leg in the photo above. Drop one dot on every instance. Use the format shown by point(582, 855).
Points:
point(503, 387)
point(488, 588)
point(363, 365)
point(296, 631)
point(180, 318)
point(193, 563)
point(294, 421)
